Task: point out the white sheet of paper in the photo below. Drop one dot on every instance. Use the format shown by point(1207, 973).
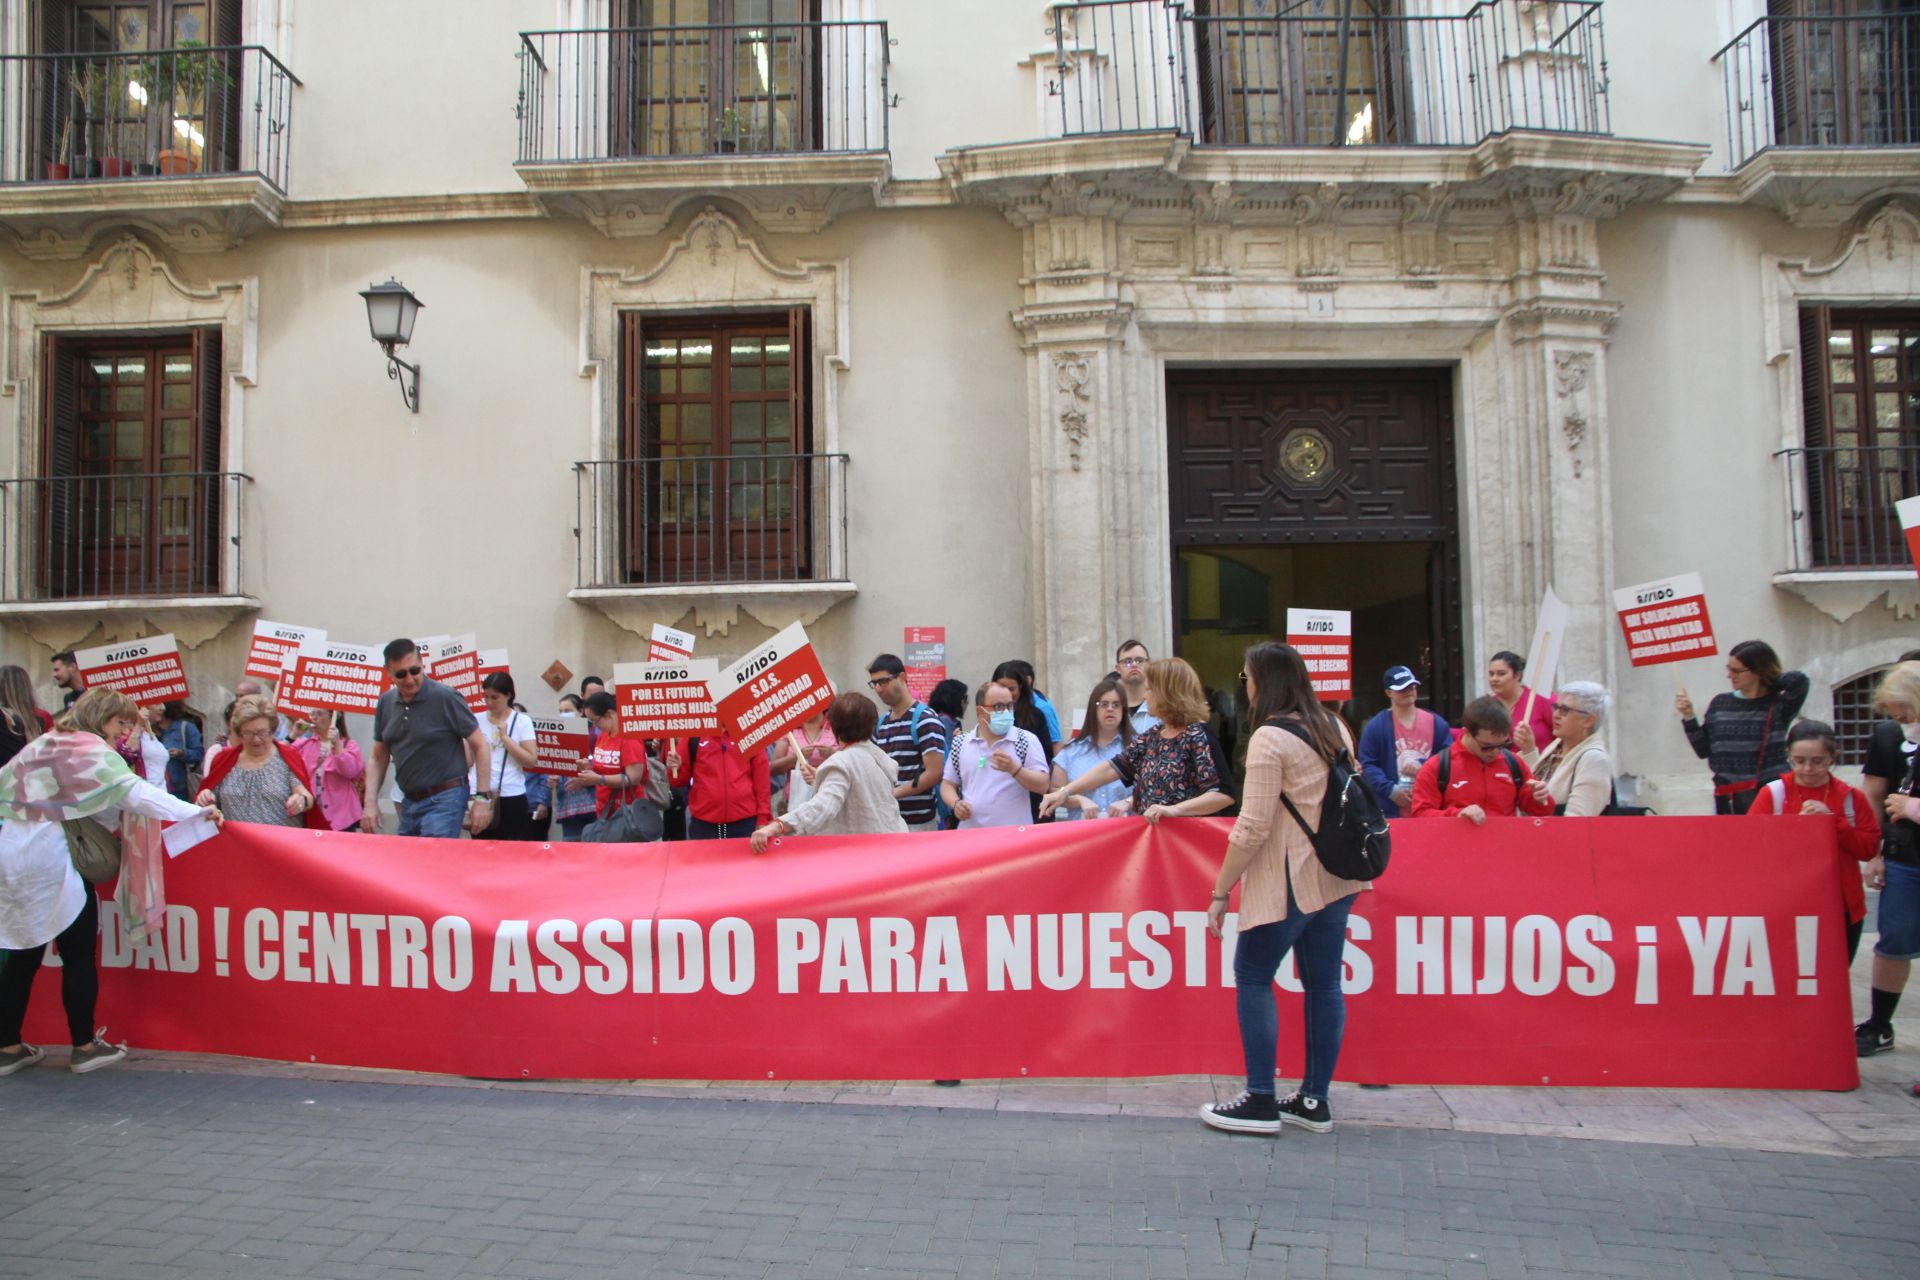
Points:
point(182, 836)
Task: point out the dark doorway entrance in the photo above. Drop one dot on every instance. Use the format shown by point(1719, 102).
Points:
point(1321, 489)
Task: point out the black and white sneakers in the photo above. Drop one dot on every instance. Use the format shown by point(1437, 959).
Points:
point(1248, 1113)
point(1306, 1113)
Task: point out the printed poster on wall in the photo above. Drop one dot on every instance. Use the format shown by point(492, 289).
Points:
point(1324, 638)
point(776, 686)
point(1665, 620)
point(273, 641)
point(666, 699)
point(925, 656)
point(148, 671)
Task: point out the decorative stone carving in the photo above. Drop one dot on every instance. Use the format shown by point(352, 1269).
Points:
point(1420, 219)
point(1318, 215)
point(1072, 372)
point(1571, 369)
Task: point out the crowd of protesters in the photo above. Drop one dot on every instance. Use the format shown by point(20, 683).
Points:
point(1153, 742)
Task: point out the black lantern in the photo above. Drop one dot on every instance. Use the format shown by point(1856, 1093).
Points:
point(391, 311)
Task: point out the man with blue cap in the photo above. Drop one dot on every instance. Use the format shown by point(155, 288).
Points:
point(1398, 741)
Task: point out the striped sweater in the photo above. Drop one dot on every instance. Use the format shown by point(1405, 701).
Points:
point(1729, 738)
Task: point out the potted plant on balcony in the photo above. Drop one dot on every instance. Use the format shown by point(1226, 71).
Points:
point(188, 76)
point(86, 104)
point(114, 85)
point(732, 127)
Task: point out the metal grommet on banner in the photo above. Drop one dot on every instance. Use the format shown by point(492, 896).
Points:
point(525, 1073)
point(769, 1075)
point(1023, 1071)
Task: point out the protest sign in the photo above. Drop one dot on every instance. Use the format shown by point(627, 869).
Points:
point(666, 699)
point(669, 645)
point(561, 744)
point(776, 686)
point(1324, 638)
point(1549, 633)
point(272, 641)
point(339, 677)
point(1579, 952)
point(494, 660)
point(1665, 621)
point(925, 657)
point(456, 664)
point(148, 671)
point(1909, 512)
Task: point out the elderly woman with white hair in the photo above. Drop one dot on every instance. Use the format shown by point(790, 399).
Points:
point(1576, 775)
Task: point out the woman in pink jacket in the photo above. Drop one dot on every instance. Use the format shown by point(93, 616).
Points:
point(335, 764)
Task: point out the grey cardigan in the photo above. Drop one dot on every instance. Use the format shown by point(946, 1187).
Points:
point(852, 795)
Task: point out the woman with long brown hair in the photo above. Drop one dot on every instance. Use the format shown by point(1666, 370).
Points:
point(1288, 901)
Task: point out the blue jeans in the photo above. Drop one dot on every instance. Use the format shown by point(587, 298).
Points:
point(1317, 940)
point(440, 815)
point(1900, 913)
point(570, 828)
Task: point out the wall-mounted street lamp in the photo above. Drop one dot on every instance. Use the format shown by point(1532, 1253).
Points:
point(391, 311)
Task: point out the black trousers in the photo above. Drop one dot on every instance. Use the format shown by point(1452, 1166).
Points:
point(79, 978)
point(512, 819)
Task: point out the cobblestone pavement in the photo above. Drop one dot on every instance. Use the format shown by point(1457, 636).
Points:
point(174, 1173)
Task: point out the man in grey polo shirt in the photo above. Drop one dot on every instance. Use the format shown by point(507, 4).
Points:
point(426, 730)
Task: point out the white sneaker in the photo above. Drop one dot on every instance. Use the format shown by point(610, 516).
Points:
point(94, 1056)
point(26, 1057)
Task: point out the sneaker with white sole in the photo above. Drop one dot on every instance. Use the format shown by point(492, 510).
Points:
point(1869, 1039)
point(1306, 1113)
point(94, 1056)
point(1248, 1113)
point(12, 1060)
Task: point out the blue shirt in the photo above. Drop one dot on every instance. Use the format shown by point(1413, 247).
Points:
point(1079, 757)
point(1052, 716)
point(182, 736)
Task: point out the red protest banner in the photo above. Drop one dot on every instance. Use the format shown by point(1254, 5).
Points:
point(561, 744)
point(1665, 621)
point(1324, 638)
point(148, 671)
point(1650, 952)
point(456, 664)
point(273, 641)
point(665, 699)
point(1908, 510)
point(778, 685)
point(668, 645)
point(328, 675)
point(925, 656)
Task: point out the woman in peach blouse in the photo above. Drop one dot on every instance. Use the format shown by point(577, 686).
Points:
point(1288, 901)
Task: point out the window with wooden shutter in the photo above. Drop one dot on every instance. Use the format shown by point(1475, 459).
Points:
point(1860, 378)
point(129, 498)
point(696, 77)
point(718, 481)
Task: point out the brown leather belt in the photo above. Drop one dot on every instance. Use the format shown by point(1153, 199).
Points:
point(436, 789)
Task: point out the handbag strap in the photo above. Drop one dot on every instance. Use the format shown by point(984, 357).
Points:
point(513, 721)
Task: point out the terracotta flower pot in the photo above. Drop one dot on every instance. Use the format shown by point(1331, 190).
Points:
point(178, 162)
point(58, 172)
point(114, 167)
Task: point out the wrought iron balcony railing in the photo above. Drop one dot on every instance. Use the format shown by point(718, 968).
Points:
point(712, 518)
point(771, 88)
point(1306, 78)
point(1822, 82)
point(160, 113)
point(1842, 503)
point(106, 537)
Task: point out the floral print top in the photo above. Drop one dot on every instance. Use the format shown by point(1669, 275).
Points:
point(1169, 770)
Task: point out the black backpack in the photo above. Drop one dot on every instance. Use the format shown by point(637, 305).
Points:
point(1353, 841)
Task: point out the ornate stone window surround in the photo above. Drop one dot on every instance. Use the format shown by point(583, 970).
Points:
point(130, 289)
point(713, 266)
point(1876, 264)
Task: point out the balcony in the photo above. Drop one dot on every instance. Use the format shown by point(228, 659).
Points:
point(191, 142)
point(1298, 79)
point(81, 546)
point(1843, 515)
point(1824, 112)
point(621, 126)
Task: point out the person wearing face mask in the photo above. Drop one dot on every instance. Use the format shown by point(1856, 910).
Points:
point(1811, 788)
point(1743, 736)
point(1478, 777)
point(1896, 872)
point(994, 766)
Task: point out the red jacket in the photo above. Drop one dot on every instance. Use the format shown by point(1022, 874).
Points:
point(1859, 842)
point(224, 759)
point(724, 784)
point(1491, 786)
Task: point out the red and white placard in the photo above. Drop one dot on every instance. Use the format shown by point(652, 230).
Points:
point(561, 743)
point(1324, 638)
point(456, 664)
point(666, 699)
point(1909, 511)
point(148, 671)
point(669, 645)
point(272, 641)
point(776, 686)
point(494, 660)
point(1665, 621)
point(339, 677)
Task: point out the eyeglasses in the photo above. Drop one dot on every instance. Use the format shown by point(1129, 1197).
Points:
point(881, 683)
point(256, 735)
point(406, 673)
point(1243, 677)
point(1484, 745)
point(1736, 671)
point(1109, 706)
point(1133, 662)
point(1562, 709)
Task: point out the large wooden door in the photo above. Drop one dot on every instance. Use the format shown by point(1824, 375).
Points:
point(1351, 473)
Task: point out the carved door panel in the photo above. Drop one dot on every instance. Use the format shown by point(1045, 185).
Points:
point(1307, 458)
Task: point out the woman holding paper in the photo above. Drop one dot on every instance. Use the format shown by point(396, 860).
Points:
point(1532, 714)
point(1743, 737)
point(336, 766)
point(73, 774)
point(259, 780)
